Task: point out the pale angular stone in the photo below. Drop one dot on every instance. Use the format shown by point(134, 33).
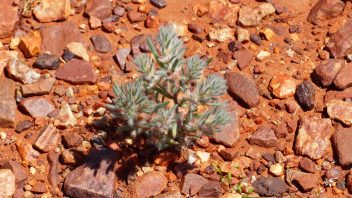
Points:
point(21, 72)
point(7, 183)
point(47, 139)
point(221, 34)
point(79, 50)
point(67, 117)
point(37, 107)
point(340, 110)
point(52, 10)
point(42, 87)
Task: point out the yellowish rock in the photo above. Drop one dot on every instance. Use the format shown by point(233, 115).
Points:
point(276, 169)
point(268, 33)
point(30, 45)
point(52, 10)
point(14, 43)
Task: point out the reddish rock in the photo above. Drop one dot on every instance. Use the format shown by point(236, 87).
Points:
point(229, 133)
point(192, 184)
point(101, 44)
point(307, 165)
point(96, 177)
point(282, 86)
point(338, 95)
point(229, 153)
point(100, 9)
point(77, 72)
point(52, 10)
point(135, 17)
point(23, 125)
point(244, 58)
point(8, 18)
point(71, 139)
point(349, 182)
point(335, 173)
point(324, 10)
point(341, 141)
point(18, 170)
point(306, 181)
point(39, 187)
point(340, 110)
point(326, 72)
point(7, 103)
point(53, 175)
point(264, 136)
point(340, 44)
point(26, 151)
point(313, 137)
point(47, 139)
point(42, 87)
point(343, 79)
point(243, 89)
point(150, 184)
point(37, 107)
point(210, 189)
point(56, 37)
point(30, 44)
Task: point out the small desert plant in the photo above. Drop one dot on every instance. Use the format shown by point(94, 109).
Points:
point(172, 99)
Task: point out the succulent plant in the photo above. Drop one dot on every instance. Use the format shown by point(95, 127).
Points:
point(172, 99)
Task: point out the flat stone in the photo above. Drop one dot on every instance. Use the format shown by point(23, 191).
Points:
point(20, 71)
point(242, 89)
point(7, 183)
point(136, 17)
point(71, 157)
point(37, 107)
point(100, 9)
point(94, 178)
point(30, 45)
point(56, 37)
point(244, 58)
point(337, 95)
point(159, 3)
point(282, 86)
point(306, 181)
point(79, 50)
point(305, 95)
point(210, 189)
point(23, 125)
point(101, 44)
point(8, 105)
point(47, 61)
point(52, 10)
point(121, 56)
point(53, 175)
point(26, 151)
point(195, 28)
point(324, 10)
point(340, 110)
point(326, 71)
point(77, 72)
point(341, 143)
point(9, 18)
point(313, 138)
point(47, 139)
point(221, 34)
point(150, 184)
point(340, 44)
point(229, 153)
point(343, 79)
point(66, 116)
point(70, 140)
point(192, 184)
point(250, 17)
point(39, 187)
point(229, 133)
point(307, 165)
point(42, 87)
point(270, 186)
point(264, 136)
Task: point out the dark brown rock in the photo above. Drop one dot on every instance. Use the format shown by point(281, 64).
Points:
point(341, 141)
point(9, 18)
point(307, 165)
point(340, 44)
point(77, 72)
point(210, 189)
point(71, 139)
point(305, 95)
point(195, 28)
point(150, 184)
point(94, 178)
point(324, 10)
point(229, 133)
point(242, 89)
point(7, 103)
point(37, 107)
point(264, 136)
point(47, 61)
point(47, 139)
point(270, 187)
point(159, 3)
point(343, 79)
point(244, 58)
point(326, 72)
point(192, 184)
point(23, 125)
point(101, 44)
point(100, 9)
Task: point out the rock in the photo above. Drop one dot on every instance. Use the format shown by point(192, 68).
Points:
point(243, 34)
point(229, 153)
point(47, 139)
point(100, 9)
point(262, 55)
point(78, 50)
point(94, 22)
point(195, 28)
point(306, 181)
point(313, 137)
point(39, 187)
point(23, 125)
point(326, 72)
point(31, 44)
point(25, 149)
point(77, 72)
point(21, 72)
point(70, 140)
point(8, 105)
point(150, 184)
point(37, 107)
point(252, 17)
point(276, 169)
point(307, 165)
point(343, 79)
point(340, 110)
point(171, 194)
point(119, 11)
point(53, 175)
point(101, 44)
point(349, 182)
point(121, 56)
point(244, 58)
point(135, 17)
point(192, 183)
point(9, 18)
point(341, 143)
point(159, 3)
point(270, 186)
point(221, 34)
point(5, 57)
point(229, 133)
point(42, 87)
point(56, 37)
point(282, 86)
point(47, 61)
point(7, 183)
point(66, 116)
point(255, 39)
point(338, 95)
point(52, 10)
point(94, 178)
point(305, 95)
point(324, 10)
point(264, 136)
point(243, 89)
point(18, 170)
point(210, 189)
point(267, 33)
point(71, 157)
point(335, 174)
point(340, 44)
